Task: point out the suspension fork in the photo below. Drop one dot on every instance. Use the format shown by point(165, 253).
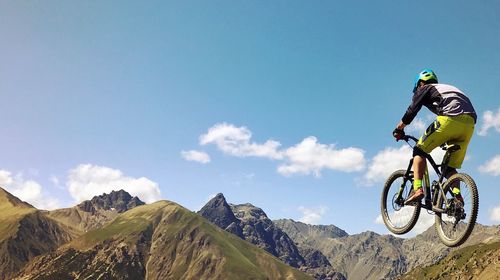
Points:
point(405, 179)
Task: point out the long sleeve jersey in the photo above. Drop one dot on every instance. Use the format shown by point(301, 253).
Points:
point(442, 100)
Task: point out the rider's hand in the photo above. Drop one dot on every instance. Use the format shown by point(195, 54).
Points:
point(398, 134)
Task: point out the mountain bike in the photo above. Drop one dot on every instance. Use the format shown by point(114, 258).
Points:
point(454, 219)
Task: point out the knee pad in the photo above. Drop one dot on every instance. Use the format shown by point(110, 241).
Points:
point(418, 152)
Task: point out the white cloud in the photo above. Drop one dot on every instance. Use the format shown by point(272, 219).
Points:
point(490, 120)
point(309, 156)
point(495, 214)
point(417, 126)
point(386, 162)
point(391, 159)
point(312, 215)
point(27, 190)
point(306, 157)
point(236, 141)
point(87, 181)
point(196, 156)
point(491, 167)
point(425, 220)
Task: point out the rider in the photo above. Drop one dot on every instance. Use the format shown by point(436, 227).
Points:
point(455, 122)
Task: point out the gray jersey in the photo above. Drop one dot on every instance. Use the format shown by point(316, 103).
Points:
point(442, 100)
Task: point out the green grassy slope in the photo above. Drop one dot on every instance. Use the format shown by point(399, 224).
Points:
point(473, 262)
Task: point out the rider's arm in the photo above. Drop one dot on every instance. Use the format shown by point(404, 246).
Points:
point(420, 96)
point(401, 125)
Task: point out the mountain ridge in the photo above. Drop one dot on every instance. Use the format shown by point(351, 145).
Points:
point(252, 224)
point(94, 213)
point(165, 241)
point(387, 256)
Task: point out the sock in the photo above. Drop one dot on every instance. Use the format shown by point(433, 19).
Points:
point(455, 191)
point(417, 184)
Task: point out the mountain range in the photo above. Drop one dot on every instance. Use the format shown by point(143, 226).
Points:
point(117, 236)
point(252, 224)
point(331, 253)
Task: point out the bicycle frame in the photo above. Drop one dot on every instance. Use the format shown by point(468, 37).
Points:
point(431, 196)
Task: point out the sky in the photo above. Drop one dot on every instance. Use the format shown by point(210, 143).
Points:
point(288, 105)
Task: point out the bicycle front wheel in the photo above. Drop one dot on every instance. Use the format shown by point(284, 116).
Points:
point(397, 217)
point(456, 224)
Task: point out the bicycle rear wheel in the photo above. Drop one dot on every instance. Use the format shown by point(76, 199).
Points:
point(397, 217)
point(456, 224)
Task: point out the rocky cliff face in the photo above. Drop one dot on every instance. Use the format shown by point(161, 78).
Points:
point(159, 241)
point(218, 211)
point(252, 224)
point(304, 233)
point(309, 236)
point(367, 255)
point(258, 229)
point(120, 201)
point(94, 213)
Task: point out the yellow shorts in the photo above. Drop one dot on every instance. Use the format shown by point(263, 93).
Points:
point(450, 130)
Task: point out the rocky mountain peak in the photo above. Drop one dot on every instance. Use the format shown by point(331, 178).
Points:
point(300, 231)
point(249, 212)
point(120, 200)
point(218, 211)
point(252, 224)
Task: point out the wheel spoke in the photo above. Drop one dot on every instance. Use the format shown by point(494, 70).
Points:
point(455, 225)
point(397, 217)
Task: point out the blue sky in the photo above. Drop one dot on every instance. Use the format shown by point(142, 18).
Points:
point(100, 94)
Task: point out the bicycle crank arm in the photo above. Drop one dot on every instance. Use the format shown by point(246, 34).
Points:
point(433, 208)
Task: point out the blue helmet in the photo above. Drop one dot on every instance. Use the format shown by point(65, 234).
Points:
point(425, 75)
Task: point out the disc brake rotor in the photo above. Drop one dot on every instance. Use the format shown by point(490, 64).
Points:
point(395, 205)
